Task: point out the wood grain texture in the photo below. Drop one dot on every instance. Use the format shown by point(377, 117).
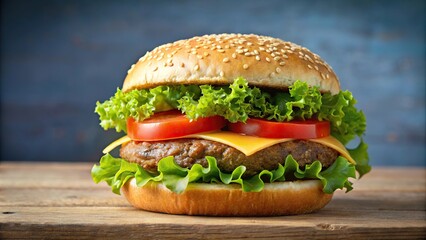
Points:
point(60, 201)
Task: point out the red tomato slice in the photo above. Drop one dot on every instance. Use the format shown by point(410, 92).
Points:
point(169, 125)
point(271, 129)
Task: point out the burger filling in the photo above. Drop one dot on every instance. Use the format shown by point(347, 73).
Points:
point(159, 154)
point(187, 152)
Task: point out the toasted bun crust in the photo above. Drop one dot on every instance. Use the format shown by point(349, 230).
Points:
point(285, 198)
point(219, 59)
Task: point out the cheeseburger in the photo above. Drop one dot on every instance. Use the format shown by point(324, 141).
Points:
point(232, 125)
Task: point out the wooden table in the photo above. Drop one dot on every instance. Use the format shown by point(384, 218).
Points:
point(60, 201)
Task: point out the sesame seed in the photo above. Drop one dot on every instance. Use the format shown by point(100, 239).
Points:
point(257, 58)
point(284, 56)
point(327, 76)
point(256, 52)
point(316, 67)
point(323, 76)
point(261, 48)
point(206, 54)
point(309, 66)
point(199, 57)
point(277, 58)
point(234, 55)
point(267, 59)
point(278, 70)
point(289, 51)
point(245, 50)
point(225, 60)
point(245, 66)
point(196, 67)
point(272, 54)
point(170, 64)
point(221, 73)
point(282, 63)
point(221, 50)
point(247, 54)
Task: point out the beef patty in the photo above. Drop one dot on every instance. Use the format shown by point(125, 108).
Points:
point(188, 152)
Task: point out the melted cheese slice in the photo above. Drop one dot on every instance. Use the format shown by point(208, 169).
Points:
point(249, 144)
point(116, 143)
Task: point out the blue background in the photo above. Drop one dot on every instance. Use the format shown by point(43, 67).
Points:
point(59, 57)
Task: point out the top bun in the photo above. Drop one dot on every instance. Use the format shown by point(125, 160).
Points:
point(219, 59)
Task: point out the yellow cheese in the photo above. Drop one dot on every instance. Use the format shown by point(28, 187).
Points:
point(249, 144)
point(116, 143)
point(246, 144)
point(333, 143)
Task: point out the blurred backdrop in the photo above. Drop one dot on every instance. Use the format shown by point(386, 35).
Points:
point(59, 57)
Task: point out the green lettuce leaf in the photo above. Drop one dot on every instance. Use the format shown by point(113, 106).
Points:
point(235, 102)
point(346, 121)
point(360, 154)
point(116, 172)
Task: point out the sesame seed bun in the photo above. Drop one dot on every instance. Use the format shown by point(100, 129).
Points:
point(281, 198)
point(219, 59)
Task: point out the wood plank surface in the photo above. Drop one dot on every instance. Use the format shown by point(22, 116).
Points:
point(60, 201)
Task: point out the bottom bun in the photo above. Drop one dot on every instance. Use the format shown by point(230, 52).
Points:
point(210, 199)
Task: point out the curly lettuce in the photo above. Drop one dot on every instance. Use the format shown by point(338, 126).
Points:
point(116, 172)
point(237, 102)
